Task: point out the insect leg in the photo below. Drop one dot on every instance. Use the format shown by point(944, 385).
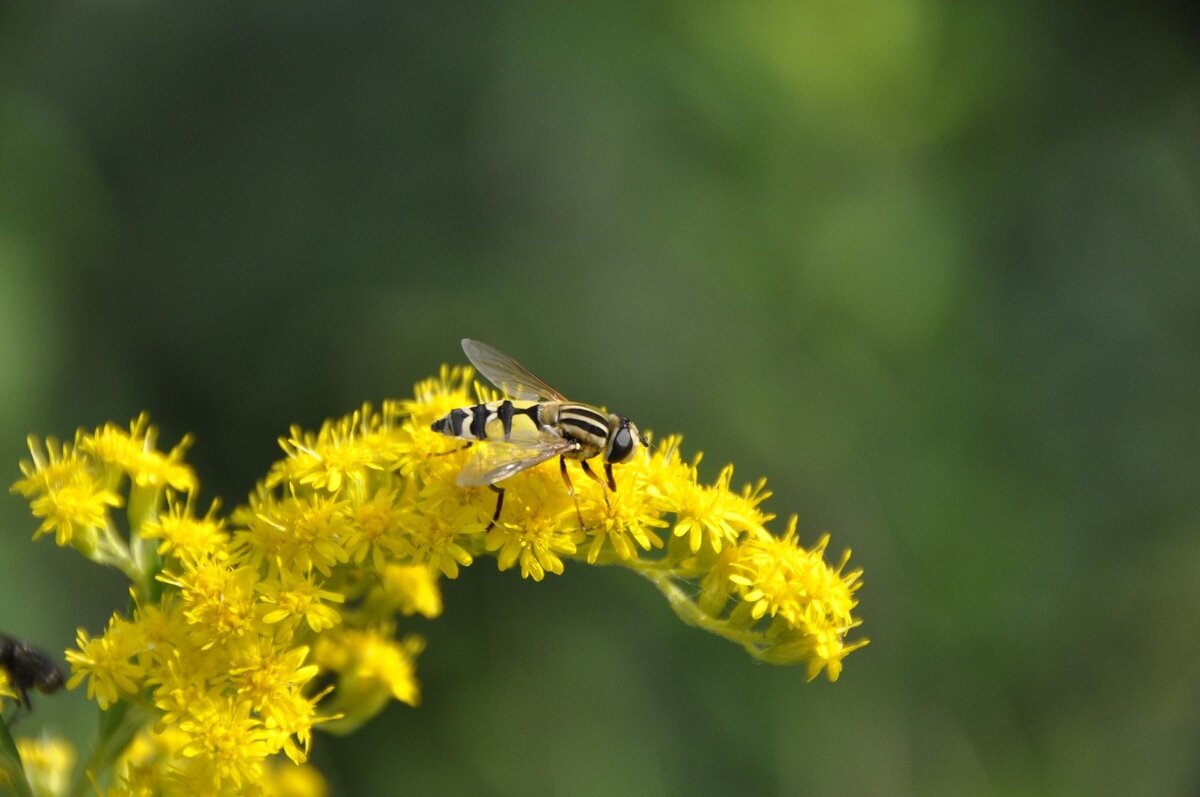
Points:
point(588, 470)
point(499, 503)
point(612, 483)
point(562, 466)
point(19, 711)
point(463, 447)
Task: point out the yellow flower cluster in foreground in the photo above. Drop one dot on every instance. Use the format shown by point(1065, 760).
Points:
point(236, 618)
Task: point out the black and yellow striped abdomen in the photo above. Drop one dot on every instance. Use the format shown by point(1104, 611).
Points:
point(491, 420)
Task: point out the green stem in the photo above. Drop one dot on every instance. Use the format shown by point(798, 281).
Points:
point(118, 725)
point(12, 772)
point(693, 615)
point(111, 551)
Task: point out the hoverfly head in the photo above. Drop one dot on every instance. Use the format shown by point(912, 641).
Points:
point(623, 440)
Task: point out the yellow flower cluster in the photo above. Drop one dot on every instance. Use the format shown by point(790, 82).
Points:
point(705, 546)
point(214, 671)
point(49, 763)
point(214, 667)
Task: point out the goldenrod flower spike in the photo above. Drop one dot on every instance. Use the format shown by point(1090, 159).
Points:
point(251, 629)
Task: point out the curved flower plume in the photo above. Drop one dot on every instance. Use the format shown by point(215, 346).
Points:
point(250, 630)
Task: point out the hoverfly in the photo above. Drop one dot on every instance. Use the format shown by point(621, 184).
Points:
point(28, 668)
point(535, 423)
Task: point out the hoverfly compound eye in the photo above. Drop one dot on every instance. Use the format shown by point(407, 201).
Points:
point(622, 442)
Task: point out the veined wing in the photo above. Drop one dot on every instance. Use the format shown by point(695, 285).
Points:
point(497, 460)
point(507, 374)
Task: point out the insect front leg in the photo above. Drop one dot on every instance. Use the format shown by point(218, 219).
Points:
point(612, 483)
point(499, 503)
point(562, 467)
point(588, 470)
point(18, 712)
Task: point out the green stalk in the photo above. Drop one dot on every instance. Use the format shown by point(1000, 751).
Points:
point(118, 725)
point(12, 772)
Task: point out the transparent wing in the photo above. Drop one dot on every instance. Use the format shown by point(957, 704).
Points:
point(497, 460)
point(507, 374)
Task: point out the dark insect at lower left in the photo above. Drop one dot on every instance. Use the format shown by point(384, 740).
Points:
point(29, 668)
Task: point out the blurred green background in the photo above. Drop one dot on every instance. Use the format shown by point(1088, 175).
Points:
point(929, 266)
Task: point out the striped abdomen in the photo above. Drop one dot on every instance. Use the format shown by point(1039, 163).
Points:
point(490, 420)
